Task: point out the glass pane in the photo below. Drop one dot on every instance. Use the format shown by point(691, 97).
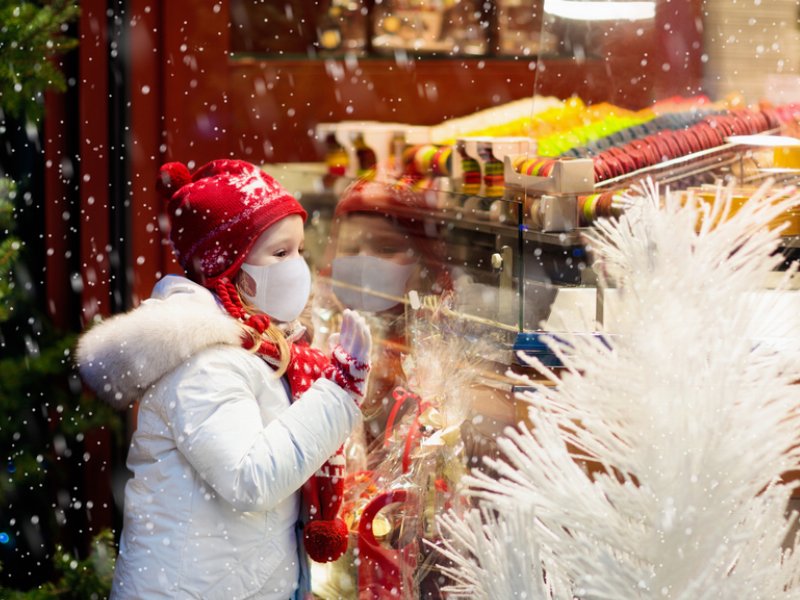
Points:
point(400, 252)
point(649, 88)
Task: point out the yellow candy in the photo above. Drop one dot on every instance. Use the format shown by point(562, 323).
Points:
point(381, 527)
point(787, 157)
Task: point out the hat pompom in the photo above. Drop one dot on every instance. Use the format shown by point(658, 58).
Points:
point(325, 541)
point(172, 177)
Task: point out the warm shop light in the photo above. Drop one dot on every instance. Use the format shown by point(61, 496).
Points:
point(594, 10)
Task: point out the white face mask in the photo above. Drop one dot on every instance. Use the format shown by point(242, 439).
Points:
point(369, 273)
point(282, 289)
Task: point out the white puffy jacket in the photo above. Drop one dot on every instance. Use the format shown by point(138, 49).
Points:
point(219, 452)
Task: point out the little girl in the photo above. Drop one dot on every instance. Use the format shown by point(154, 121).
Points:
point(236, 412)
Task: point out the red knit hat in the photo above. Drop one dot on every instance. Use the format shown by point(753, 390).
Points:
point(401, 204)
point(376, 197)
point(217, 213)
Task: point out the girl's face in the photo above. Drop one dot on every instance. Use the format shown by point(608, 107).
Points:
point(281, 241)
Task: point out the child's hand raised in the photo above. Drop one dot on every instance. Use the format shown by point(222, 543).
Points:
point(350, 355)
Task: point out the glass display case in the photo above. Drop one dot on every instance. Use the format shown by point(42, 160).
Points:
point(485, 216)
point(473, 265)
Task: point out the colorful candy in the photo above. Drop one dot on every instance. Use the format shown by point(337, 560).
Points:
point(666, 145)
point(595, 206)
point(537, 166)
point(472, 175)
point(493, 178)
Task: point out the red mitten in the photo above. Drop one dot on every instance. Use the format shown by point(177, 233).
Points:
point(350, 355)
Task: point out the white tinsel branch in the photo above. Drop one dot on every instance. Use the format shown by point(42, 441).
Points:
point(687, 412)
point(482, 567)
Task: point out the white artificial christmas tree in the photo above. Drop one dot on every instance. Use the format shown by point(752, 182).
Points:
point(690, 408)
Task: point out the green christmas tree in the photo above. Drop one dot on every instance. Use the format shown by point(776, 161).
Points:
point(43, 410)
point(31, 34)
point(9, 247)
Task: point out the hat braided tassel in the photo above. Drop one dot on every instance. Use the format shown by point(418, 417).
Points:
point(325, 535)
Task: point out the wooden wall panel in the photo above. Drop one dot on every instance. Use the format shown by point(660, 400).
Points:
point(195, 75)
point(276, 104)
point(148, 256)
point(94, 159)
point(57, 238)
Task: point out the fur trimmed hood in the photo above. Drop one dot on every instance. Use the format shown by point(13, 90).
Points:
point(124, 355)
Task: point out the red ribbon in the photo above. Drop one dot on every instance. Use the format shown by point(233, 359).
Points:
point(401, 395)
